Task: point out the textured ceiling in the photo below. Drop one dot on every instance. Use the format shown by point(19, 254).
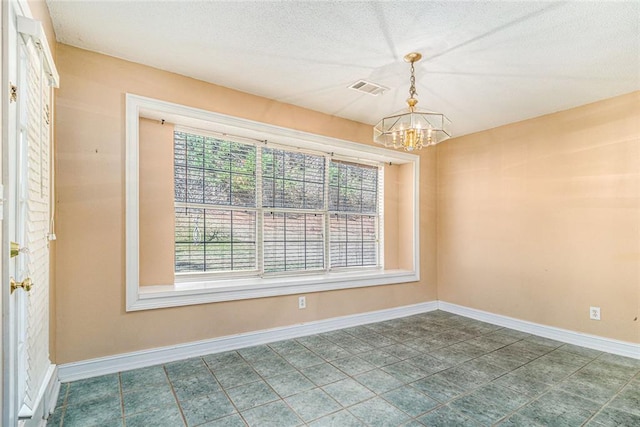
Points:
point(484, 63)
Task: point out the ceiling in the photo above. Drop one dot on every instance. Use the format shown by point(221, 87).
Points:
point(484, 64)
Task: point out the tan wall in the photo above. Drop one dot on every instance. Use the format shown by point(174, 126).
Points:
point(157, 215)
point(539, 220)
point(91, 319)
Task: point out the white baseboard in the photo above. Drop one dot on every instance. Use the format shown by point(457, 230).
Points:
point(45, 401)
point(621, 348)
point(139, 359)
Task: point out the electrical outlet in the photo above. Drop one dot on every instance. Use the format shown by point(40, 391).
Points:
point(302, 302)
point(594, 313)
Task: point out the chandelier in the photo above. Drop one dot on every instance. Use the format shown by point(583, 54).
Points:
point(413, 129)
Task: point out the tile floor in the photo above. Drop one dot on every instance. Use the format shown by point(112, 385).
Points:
point(432, 369)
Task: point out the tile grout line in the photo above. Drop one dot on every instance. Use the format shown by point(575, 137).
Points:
point(175, 395)
point(121, 395)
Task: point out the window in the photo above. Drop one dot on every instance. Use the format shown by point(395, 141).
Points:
point(353, 197)
point(214, 185)
point(226, 190)
point(271, 211)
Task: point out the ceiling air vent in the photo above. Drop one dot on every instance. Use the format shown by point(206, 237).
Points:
point(368, 87)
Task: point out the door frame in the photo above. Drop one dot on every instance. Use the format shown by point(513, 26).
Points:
point(10, 405)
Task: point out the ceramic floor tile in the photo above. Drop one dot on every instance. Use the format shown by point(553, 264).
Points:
point(400, 351)
point(484, 411)
point(605, 367)
point(146, 399)
point(257, 353)
point(428, 365)
point(104, 412)
point(487, 343)
point(628, 400)
point(312, 404)
point(600, 391)
point(378, 340)
point(410, 400)
point(518, 420)
point(168, 416)
point(610, 417)
point(502, 396)
point(352, 365)
point(323, 374)
point(190, 387)
point(535, 348)
point(445, 416)
point(220, 360)
point(330, 351)
point(378, 358)
point(236, 375)
point(560, 408)
point(187, 368)
point(483, 369)
point(251, 395)
point(453, 354)
point(339, 419)
point(405, 371)
point(302, 359)
point(462, 378)
point(621, 361)
point(522, 384)
point(355, 345)
point(438, 388)
point(348, 392)
point(378, 381)
point(564, 357)
point(287, 347)
point(545, 372)
point(97, 388)
point(290, 383)
point(378, 412)
point(143, 378)
point(272, 367)
point(233, 420)
point(276, 414)
point(206, 408)
point(582, 351)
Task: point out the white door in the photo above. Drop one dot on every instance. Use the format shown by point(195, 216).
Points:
point(26, 159)
point(10, 405)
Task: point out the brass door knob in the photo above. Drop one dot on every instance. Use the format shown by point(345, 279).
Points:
point(26, 284)
point(17, 250)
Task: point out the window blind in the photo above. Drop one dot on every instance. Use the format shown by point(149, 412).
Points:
point(242, 207)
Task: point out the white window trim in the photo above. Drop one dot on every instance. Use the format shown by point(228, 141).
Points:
point(206, 291)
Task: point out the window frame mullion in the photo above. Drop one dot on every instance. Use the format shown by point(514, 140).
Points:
point(260, 214)
point(327, 220)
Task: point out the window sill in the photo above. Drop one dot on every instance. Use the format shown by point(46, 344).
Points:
point(202, 292)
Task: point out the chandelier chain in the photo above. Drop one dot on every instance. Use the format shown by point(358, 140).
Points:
point(412, 89)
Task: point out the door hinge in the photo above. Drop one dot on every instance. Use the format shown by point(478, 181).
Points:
point(13, 93)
